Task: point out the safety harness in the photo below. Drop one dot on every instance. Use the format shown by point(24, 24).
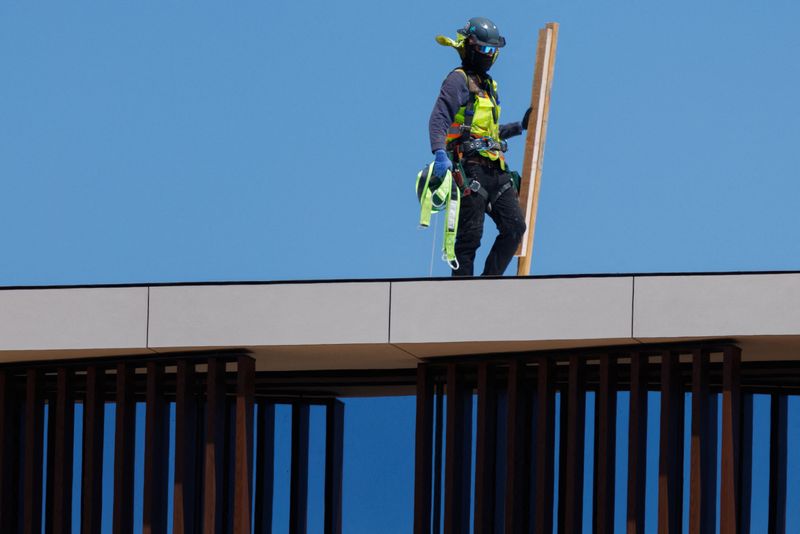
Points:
point(464, 145)
point(444, 196)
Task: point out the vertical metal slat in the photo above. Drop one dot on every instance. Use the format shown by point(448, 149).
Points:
point(605, 446)
point(457, 442)
point(777, 464)
point(243, 482)
point(485, 450)
point(518, 456)
point(438, 453)
point(730, 486)
point(576, 418)
point(746, 462)
point(60, 455)
point(63, 415)
point(265, 467)
point(563, 419)
point(298, 491)
point(670, 467)
point(230, 464)
point(185, 513)
point(156, 453)
point(703, 470)
point(50, 438)
point(545, 446)
point(9, 451)
point(334, 455)
point(423, 446)
point(216, 414)
point(34, 450)
point(92, 476)
point(124, 451)
point(637, 444)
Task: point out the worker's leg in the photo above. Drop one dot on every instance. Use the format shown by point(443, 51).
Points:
point(470, 226)
point(510, 222)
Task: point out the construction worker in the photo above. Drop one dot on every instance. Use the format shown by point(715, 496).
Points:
point(467, 138)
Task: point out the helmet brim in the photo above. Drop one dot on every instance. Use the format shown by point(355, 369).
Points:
point(473, 39)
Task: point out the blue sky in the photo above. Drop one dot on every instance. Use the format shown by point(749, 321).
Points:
point(178, 141)
point(175, 142)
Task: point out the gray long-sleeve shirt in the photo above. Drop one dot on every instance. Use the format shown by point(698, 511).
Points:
point(453, 95)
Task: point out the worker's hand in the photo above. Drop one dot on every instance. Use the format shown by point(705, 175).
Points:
point(441, 163)
point(526, 118)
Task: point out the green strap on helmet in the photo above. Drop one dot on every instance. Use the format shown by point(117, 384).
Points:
point(447, 197)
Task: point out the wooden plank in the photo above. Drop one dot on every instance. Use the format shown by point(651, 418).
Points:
point(605, 446)
point(576, 419)
point(60, 481)
point(485, 450)
point(518, 455)
point(545, 445)
point(334, 457)
point(214, 457)
point(34, 453)
point(535, 140)
point(243, 481)
point(92, 476)
point(9, 451)
point(423, 446)
point(185, 494)
point(156, 453)
point(298, 492)
point(703, 469)
point(670, 466)
point(730, 486)
point(457, 457)
point(124, 449)
point(777, 464)
point(265, 467)
point(637, 444)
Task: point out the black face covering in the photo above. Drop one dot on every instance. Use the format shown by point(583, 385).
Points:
point(475, 61)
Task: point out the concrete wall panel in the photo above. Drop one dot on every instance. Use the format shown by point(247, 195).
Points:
point(273, 314)
point(75, 318)
point(717, 305)
point(511, 310)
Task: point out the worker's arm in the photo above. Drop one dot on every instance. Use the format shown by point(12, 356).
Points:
point(514, 129)
point(453, 94)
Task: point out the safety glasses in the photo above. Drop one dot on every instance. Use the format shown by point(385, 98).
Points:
point(488, 50)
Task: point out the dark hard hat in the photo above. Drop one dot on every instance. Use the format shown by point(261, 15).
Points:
point(483, 31)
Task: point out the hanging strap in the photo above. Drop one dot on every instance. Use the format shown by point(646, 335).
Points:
point(469, 109)
point(451, 227)
point(502, 189)
point(426, 202)
point(489, 86)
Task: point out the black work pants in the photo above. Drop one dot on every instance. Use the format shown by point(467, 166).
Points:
point(505, 212)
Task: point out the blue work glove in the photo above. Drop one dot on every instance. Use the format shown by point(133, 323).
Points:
point(526, 118)
point(441, 163)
